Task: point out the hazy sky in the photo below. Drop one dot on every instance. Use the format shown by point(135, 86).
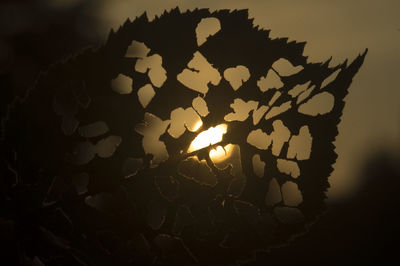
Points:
point(341, 29)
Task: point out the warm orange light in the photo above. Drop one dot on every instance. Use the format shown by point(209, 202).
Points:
point(198, 125)
point(208, 137)
point(220, 154)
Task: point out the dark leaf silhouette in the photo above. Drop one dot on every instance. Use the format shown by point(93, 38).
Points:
point(106, 145)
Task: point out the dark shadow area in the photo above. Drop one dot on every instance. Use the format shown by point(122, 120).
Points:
point(359, 231)
point(34, 35)
point(362, 230)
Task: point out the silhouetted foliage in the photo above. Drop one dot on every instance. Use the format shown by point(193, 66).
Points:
point(112, 206)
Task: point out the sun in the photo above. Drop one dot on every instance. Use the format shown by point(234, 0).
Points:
point(208, 137)
point(221, 154)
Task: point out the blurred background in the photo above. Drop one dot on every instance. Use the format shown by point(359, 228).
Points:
point(361, 225)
